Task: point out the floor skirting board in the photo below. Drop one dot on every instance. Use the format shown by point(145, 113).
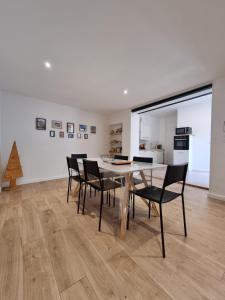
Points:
point(34, 180)
point(216, 196)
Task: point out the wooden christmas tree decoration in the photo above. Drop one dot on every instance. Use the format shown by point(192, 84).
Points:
point(13, 169)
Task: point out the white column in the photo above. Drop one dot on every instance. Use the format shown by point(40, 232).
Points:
point(217, 164)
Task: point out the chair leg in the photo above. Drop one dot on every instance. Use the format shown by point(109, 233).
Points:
point(162, 232)
point(68, 190)
point(78, 204)
point(149, 209)
point(85, 189)
point(128, 219)
point(133, 206)
point(70, 180)
point(100, 217)
point(184, 218)
point(109, 199)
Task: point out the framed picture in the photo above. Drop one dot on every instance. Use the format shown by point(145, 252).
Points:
point(93, 129)
point(57, 124)
point(79, 135)
point(82, 128)
point(85, 136)
point(70, 136)
point(41, 124)
point(61, 134)
point(70, 127)
point(52, 133)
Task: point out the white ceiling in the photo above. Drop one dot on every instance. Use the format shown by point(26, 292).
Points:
point(98, 48)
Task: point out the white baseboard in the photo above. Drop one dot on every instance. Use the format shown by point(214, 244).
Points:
point(33, 180)
point(216, 196)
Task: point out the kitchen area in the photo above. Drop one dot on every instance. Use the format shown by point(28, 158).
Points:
point(177, 134)
point(156, 131)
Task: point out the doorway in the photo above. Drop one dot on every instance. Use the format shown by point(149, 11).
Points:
point(157, 130)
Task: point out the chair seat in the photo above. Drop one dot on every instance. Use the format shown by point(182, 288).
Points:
point(153, 193)
point(108, 184)
point(78, 178)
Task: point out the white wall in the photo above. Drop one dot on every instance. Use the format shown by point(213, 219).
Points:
point(123, 117)
point(217, 166)
point(198, 116)
point(43, 157)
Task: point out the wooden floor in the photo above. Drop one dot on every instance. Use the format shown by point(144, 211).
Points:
point(47, 251)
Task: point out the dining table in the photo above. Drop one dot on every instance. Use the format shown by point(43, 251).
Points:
point(127, 170)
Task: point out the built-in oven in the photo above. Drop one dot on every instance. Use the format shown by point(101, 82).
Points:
point(183, 130)
point(181, 142)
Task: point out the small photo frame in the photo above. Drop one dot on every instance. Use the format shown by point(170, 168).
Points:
point(41, 123)
point(57, 124)
point(93, 129)
point(79, 135)
point(61, 134)
point(85, 136)
point(70, 127)
point(82, 128)
point(70, 135)
point(52, 133)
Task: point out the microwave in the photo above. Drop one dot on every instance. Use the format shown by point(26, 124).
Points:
point(183, 130)
point(181, 142)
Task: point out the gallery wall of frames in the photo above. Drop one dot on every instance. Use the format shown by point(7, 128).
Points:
point(67, 130)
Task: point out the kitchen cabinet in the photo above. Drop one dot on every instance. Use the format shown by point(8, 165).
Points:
point(149, 128)
point(157, 155)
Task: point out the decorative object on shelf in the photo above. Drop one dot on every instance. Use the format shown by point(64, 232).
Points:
point(57, 124)
point(41, 123)
point(61, 134)
point(70, 135)
point(52, 133)
point(85, 136)
point(93, 129)
point(82, 128)
point(115, 141)
point(79, 135)
point(13, 169)
point(70, 127)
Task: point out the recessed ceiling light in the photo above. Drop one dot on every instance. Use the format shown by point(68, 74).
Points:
point(48, 65)
point(125, 92)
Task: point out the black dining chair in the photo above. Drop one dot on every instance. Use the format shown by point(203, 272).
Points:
point(79, 155)
point(91, 170)
point(174, 174)
point(122, 157)
point(74, 174)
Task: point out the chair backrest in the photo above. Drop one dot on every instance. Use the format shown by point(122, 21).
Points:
point(91, 170)
point(143, 159)
point(175, 173)
point(72, 165)
point(79, 155)
point(122, 157)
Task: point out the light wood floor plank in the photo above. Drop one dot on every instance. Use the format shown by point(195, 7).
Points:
point(39, 280)
point(48, 251)
point(81, 290)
